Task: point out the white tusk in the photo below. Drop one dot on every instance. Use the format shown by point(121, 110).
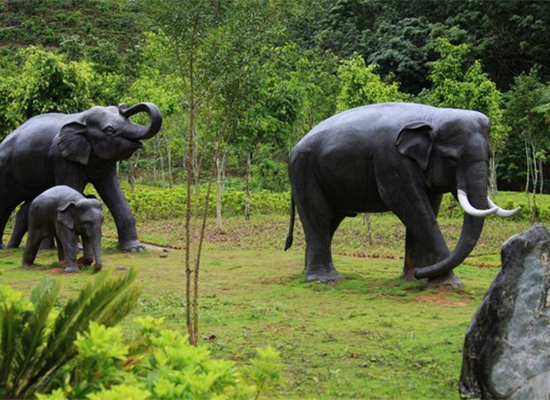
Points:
point(502, 212)
point(469, 209)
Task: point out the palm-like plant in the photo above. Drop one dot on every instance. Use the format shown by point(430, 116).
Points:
point(36, 340)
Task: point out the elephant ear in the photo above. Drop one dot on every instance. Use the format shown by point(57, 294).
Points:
point(66, 214)
point(415, 140)
point(73, 143)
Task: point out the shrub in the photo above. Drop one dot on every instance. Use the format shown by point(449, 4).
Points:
point(37, 340)
point(159, 364)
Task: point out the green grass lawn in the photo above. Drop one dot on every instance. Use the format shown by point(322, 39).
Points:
point(369, 336)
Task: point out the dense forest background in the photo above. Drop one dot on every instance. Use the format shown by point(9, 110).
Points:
point(239, 82)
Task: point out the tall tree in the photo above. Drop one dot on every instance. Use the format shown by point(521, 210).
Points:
point(457, 85)
point(528, 93)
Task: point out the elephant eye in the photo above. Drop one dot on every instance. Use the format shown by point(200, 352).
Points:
point(110, 131)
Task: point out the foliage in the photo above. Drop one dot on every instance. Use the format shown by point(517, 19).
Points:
point(46, 83)
point(162, 365)
point(360, 85)
point(158, 204)
point(457, 85)
point(36, 339)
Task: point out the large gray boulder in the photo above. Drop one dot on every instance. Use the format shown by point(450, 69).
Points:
point(507, 346)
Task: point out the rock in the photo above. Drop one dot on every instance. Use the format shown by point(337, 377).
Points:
point(507, 346)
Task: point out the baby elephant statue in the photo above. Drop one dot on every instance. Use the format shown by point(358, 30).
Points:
point(66, 214)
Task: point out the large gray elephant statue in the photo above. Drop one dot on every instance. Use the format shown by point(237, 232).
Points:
point(66, 214)
point(73, 150)
point(395, 157)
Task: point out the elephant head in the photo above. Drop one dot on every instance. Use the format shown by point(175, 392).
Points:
point(84, 217)
point(454, 157)
point(107, 132)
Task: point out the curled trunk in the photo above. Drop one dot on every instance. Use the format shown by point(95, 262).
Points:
point(141, 132)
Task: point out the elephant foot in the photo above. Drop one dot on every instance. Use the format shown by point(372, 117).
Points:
point(84, 261)
point(72, 269)
point(131, 246)
point(97, 267)
point(449, 280)
point(325, 273)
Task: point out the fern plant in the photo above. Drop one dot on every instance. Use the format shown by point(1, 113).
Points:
point(36, 339)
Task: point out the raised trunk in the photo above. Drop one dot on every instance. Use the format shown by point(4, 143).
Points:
point(474, 183)
point(140, 132)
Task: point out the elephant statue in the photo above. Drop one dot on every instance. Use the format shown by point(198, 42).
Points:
point(395, 157)
point(73, 150)
point(66, 214)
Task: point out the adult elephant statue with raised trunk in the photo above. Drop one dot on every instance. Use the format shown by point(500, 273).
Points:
point(395, 157)
point(74, 150)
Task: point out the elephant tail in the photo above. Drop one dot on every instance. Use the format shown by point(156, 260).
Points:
point(290, 237)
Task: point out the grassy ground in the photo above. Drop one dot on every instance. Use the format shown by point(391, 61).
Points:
point(370, 336)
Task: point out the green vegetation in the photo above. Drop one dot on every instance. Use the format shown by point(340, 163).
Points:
point(239, 83)
point(372, 335)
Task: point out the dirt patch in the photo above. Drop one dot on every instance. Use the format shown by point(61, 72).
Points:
point(441, 299)
point(55, 271)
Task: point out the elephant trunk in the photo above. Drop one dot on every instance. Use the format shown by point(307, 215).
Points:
point(140, 132)
point(96, 245)
point(475, 188)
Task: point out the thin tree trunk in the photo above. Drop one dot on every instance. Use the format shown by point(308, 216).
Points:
point(528, 175)
point(535, 172)
point(154, 163)
point(248, 168)
point(162, 174)
point(493, 175)
point(132, 164)
point(541, 172)
point(169, 153)
point(367, 220)
point(219, 172)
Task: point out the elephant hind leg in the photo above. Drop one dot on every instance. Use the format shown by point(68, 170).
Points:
point(31, 248)
point(319, 226)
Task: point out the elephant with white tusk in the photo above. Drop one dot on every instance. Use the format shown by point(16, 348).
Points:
point(73, 150)
point(395, 157)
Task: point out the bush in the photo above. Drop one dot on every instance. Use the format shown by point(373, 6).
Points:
point(37, 340)
point(159, 364)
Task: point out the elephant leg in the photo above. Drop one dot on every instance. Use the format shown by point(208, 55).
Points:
point(21, 226)
point(109, 190)
point(88, 256)
point(414, 254)
point(60, 251)
point(68, 241)
point(5, 211)
point(31, 248)
point(319, 226)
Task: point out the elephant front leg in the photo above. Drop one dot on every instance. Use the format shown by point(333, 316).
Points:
point(110, 192)
point(68, 240)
